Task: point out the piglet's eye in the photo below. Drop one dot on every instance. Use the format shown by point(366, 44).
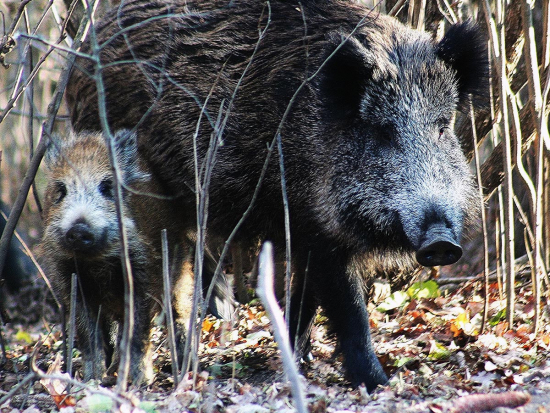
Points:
point(60, 192)
point(441, 132)
point(106, 188)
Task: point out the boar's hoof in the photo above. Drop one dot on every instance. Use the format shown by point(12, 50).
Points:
point(438, 248)
point(79, 237)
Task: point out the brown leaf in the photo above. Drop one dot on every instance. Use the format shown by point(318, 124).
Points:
point(55, 387)
point(475, 403)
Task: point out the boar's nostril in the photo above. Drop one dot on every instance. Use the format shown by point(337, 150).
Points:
point(439, 248)
point(79, 237)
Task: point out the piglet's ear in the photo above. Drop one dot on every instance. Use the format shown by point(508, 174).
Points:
point(53, 151)
point(464, 49)
point(125, 144)
point(344, 75)
point(57, 146)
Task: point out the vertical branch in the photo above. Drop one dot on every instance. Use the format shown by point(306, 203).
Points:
point(483, 220)
point(72, 325)
point(218, 135)
point(168, 307)
point(535, 102)
point(288, 272)
point(128, 324)
point(538, 224)
point(545, 62)
point(410, 13)
point(267, 295)
point(508, 187)
point(499, 231)
point(530, 53)
point(498, 42)
point(516, 122)
point(2, 345)
point(30, 118)
point(3, 356)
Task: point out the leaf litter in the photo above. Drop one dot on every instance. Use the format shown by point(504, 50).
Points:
point(427, 337)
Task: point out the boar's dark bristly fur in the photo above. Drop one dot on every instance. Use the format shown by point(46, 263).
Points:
point(375, 176)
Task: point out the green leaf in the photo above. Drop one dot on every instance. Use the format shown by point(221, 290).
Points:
point(23, 336)
point(148, 407)
point(222, 369)
point(401, 361)
point(424, 289)
point(438, 351)
point(498, 317)
point(396, 300)
point(96, 403)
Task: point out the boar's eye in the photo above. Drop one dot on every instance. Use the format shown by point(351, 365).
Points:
point(106, 188)
point(60, 192)
point(386, 134)
point(442, 125)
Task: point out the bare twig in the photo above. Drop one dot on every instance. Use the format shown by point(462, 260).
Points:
point(7, 43)
point(535, 103)
point(128, 325)
point(498, 42)
point(27, 379)
point(46, 131)
point(267, 295)
point(483, 222)
point(397, 8)
point(202, 191)
point(36, 373)
point(72, 325)
point(11, 103)
point(168, 307)
point(35, 262)
point(288, 272)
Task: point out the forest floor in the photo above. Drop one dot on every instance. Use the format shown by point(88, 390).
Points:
point(427, 337)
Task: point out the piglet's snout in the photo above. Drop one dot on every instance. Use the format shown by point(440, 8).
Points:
point(80, 237)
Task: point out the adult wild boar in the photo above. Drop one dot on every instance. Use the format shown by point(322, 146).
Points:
point(364, 107)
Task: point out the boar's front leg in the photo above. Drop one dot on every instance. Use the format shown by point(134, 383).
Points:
point(343, 300)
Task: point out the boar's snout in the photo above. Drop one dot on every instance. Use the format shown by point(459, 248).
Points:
point(80, 237)
point(439, 247)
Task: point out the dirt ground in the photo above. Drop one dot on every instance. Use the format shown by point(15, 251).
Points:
point(427, 337)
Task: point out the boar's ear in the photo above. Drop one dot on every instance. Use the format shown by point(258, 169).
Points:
point(125, 145)
point(343, 77)
point(464, 49)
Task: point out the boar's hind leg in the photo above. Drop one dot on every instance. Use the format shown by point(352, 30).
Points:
point(303, 306)
point(346, 310)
